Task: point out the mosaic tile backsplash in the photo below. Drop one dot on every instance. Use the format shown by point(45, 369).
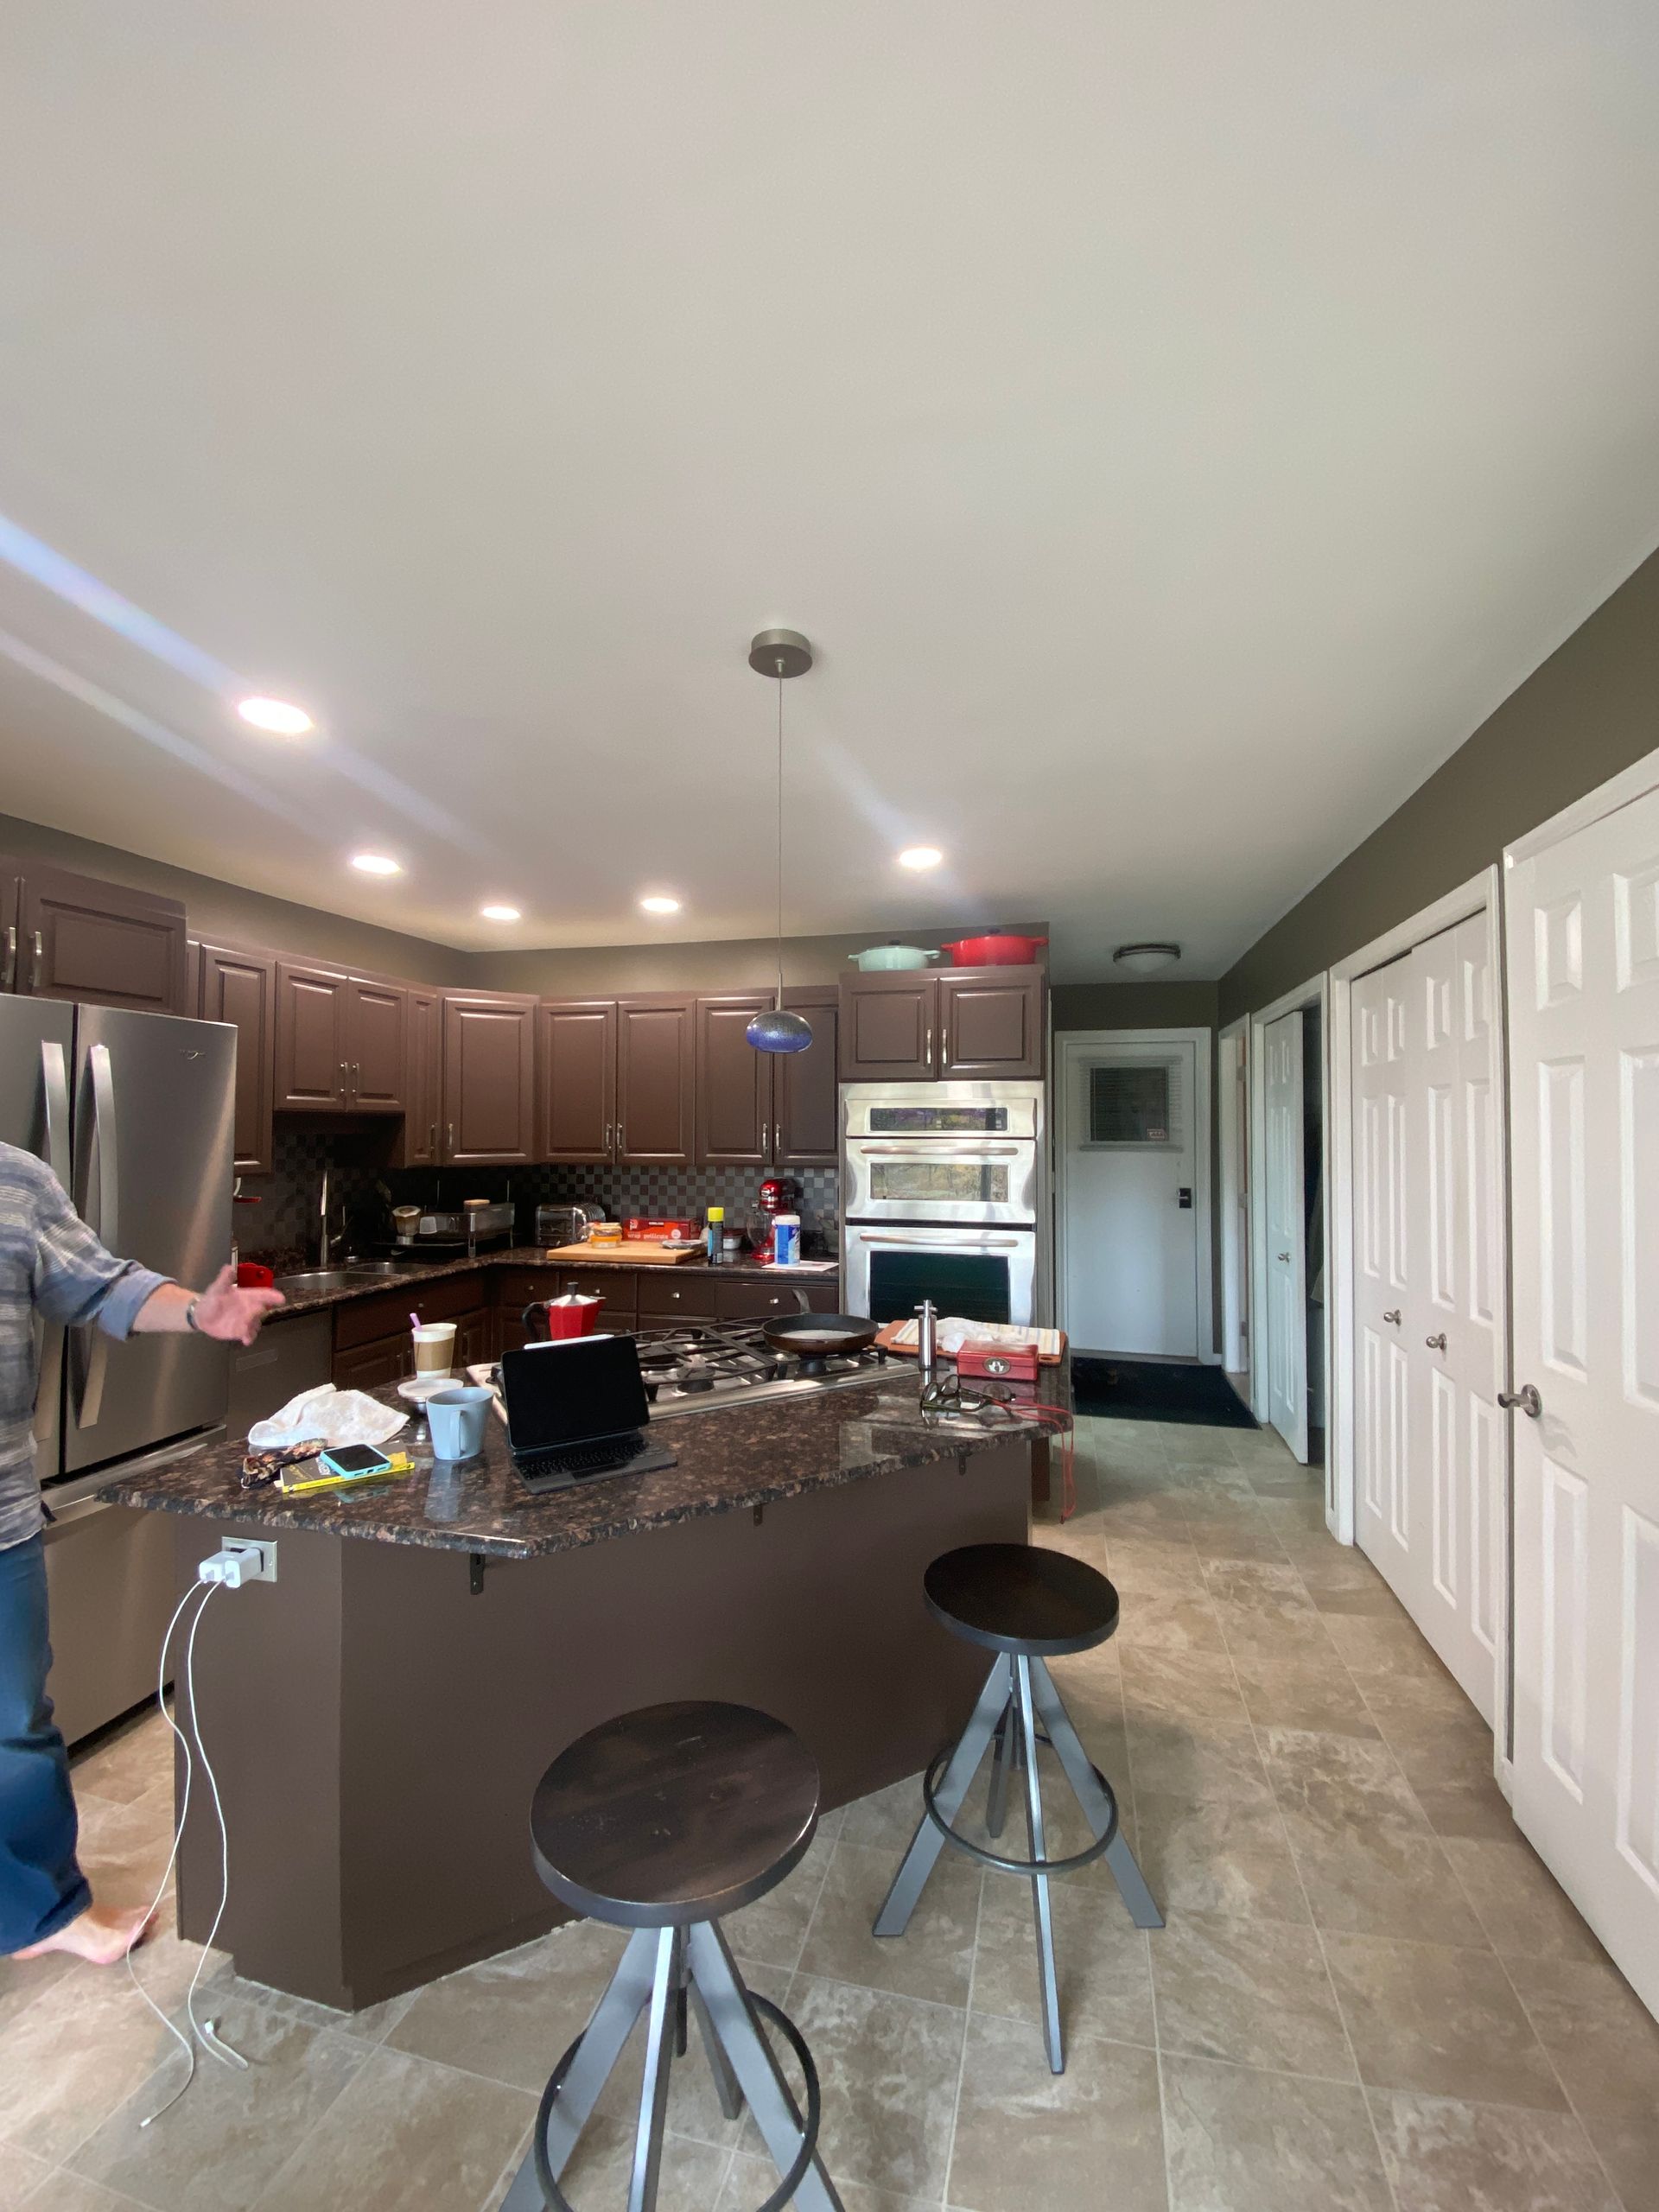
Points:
point(283, 1225)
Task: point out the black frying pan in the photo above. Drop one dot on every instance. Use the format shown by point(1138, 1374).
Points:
point(814, 1337)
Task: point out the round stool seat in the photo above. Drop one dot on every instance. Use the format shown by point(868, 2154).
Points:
point(675, 1814)
point(1020, 1598)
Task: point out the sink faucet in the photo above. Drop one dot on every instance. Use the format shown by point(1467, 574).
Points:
point(325, 1242)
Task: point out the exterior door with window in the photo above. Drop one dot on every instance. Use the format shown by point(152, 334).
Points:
point(1130, 1279)
point(1583, 933)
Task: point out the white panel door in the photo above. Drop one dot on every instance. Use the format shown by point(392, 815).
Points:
point(1131, 1277)
point(1428, 1286)
point(1583, 935)
point(1287, 1225)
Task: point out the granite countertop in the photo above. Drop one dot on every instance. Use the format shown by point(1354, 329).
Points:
point(415, 1272)
point(729, 1457)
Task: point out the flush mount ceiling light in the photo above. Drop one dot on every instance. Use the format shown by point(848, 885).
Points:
point(658, 902)
point(920, 856)
point(1145, 959)
point(780, 654)
point(275, 715)
point(376, 864)
point(500, 913)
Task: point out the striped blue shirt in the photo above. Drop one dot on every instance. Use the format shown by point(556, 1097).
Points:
point(52, 1265)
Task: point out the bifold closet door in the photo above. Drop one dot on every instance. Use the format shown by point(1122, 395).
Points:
point(1428, 1292)
point(1286, 1226)
point(1583, 933)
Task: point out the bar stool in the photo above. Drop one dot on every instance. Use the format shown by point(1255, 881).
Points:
point(1027, 1606)
point(663, 1820)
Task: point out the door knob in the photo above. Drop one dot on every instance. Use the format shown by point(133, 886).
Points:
point(1526, 1397)
point(1394, 1316)
point(1284, 1257)
point(1436, 1343)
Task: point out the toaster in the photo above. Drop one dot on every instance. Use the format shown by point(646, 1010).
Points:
point(556, 1225)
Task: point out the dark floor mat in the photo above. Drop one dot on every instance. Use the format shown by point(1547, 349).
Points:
point(1158, 1389)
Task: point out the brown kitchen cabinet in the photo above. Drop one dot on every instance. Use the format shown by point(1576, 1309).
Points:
point(417, 1143)
point(577, 1076)
point(991, 1022)
point(377, 1035)
point(72, 937)
point(743, 1298)
point(733, 1083)
point(238, 984)
point(667, 1296)
point(373, 1366)
point(341, 1041)
point(902, 1027)
point(489, 1078)
point(805, 1121)
point(656, 1080)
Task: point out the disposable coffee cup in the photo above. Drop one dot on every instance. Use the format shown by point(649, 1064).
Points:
point(435, 1347)
point(457, 1418)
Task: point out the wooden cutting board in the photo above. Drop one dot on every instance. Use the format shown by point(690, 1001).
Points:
point(640, 1255)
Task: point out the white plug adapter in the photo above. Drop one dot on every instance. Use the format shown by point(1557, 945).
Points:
point(239, 1560)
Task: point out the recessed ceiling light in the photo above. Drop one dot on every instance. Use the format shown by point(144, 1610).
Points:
point(658, 902)
point(500, 913)
point(920, 856)
point(376, 864)
point(275, 715)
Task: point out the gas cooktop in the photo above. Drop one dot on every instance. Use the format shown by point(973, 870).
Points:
point(690, 1367)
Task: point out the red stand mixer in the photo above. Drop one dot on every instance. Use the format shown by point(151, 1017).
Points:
point(777, 1194)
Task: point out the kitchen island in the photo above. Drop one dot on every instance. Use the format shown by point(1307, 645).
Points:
point(379, 1715)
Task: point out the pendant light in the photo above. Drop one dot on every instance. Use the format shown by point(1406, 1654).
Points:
point(780, 654)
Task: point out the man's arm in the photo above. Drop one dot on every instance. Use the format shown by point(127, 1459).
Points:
point(233, 1316)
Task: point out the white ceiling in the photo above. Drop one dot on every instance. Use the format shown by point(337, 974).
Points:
point(1177, 426)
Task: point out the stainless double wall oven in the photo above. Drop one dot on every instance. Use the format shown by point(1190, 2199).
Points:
point(942, 1198)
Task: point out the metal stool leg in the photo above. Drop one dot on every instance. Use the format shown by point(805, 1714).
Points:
point(1041, 1902)
point(602, 2040)
point(920, 1859)
point(996, 1803)
point(725, 2082)
point(659, 2059)
point(776, 2113)
point(1080, 1773)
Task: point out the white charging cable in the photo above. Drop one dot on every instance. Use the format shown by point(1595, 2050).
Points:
point(206, 2032)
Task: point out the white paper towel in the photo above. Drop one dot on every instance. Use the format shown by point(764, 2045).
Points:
point(325, 1415)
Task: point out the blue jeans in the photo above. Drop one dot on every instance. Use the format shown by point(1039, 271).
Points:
point(41, 1886)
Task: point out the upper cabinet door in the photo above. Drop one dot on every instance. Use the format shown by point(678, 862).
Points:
point(889, 1027)
point(377, 1035)
point(655, 1082)
point(578, 1080)
point(734, 1115)
point(239, 985)
point(806, 1126)
point(417, 1147)
point(81, 939)
point(311, 1062)
point(991, 1021)
point(489, 1078)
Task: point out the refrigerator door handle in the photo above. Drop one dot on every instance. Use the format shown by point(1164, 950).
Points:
point(8, 971)
point(107, 1185)
point(54, 1089)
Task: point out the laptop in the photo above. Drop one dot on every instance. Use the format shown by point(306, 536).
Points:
point(576, 1409)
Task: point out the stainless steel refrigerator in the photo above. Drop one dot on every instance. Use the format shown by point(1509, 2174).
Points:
point(133, 1112)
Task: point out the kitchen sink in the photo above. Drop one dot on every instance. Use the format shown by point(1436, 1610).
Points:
point(351, 1277)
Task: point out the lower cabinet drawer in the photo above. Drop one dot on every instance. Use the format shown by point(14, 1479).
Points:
point(761, 1302)
point(371, 1367)
point(366, 1320)
point(666, 1295)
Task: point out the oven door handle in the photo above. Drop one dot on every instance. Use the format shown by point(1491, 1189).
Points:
point(944, 1239)
point(942, 1148)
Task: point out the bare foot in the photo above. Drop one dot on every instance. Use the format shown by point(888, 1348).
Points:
point(102, 1935)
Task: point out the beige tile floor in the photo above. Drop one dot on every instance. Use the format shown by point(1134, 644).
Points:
point(1369, 1994)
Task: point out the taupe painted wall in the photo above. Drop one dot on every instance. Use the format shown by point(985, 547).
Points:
point(224, 911)
point(734, 964)
point(1133, 1006)
point(1591, 709)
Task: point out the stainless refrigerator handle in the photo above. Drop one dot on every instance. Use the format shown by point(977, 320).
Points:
point(108, 1185)
point(55, 1086)
point(40, 956)
point(9, 973)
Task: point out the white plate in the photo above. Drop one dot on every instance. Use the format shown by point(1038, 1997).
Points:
point(420, 1387)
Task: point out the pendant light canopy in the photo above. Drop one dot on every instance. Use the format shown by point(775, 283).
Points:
point(780, 654)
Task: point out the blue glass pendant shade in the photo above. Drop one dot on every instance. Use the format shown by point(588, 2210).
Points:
point(776, 1030)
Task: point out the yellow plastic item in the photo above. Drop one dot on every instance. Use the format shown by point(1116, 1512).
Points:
point(399, 1464)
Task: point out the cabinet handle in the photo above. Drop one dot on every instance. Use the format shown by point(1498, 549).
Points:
point(927, 1047)
point(452, 1136)
point(9, 976)
point(40, 955)
point(434, 1139)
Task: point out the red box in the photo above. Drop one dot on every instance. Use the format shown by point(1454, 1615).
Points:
point(984, 1359)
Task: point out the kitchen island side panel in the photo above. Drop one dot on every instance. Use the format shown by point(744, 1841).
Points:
point(451, 1704)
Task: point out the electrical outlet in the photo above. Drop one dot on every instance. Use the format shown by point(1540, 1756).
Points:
point(239, 1560)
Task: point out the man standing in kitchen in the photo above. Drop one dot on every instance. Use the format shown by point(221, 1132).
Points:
point(52, 1265)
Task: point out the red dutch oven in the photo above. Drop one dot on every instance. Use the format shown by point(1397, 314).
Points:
point(1000, 950)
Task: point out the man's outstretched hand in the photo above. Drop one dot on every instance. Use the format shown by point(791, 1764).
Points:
point(234, 1316)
